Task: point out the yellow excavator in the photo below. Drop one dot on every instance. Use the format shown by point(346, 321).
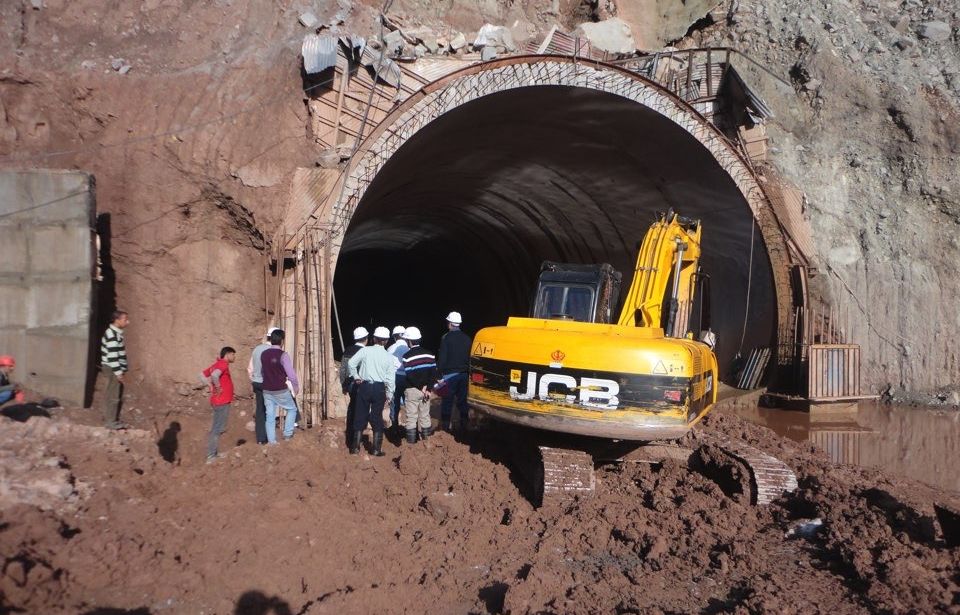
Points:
point(568, 368)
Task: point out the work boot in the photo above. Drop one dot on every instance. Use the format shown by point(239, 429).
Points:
point(378, 444)
point(425, 433)
point(355, 442)
point(412, 436)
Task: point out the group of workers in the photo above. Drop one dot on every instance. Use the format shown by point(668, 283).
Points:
point(394, 371)
point(275, 383)
point(381, 374)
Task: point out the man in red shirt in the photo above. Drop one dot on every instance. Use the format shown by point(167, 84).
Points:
point(217, 376)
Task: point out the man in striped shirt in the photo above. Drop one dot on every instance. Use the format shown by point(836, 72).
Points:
point(420, 367)
point(113, 365)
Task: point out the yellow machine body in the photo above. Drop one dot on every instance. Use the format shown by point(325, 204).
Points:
point(610, 380)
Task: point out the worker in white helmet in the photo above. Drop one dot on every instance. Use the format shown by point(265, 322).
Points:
point(421, 369)
point(375, 370)
point(398, 348)
point(360, 338)
point(454, 364)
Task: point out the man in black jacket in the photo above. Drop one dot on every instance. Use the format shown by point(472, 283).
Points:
point(454, 365)
point(360, 338)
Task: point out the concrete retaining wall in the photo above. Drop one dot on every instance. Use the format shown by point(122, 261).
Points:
point(47, 267)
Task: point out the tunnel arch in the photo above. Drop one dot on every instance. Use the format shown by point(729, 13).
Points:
point(455, 93)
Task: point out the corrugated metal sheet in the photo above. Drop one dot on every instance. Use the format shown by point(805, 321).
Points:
point(319, 52)
point(558, 42)
point(309, 190)
point(833, 372)
point(355, 43)
point(431, 69)
point(389, 71)
point(787, 203)
point(755, 103)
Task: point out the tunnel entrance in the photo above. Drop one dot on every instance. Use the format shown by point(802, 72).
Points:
point(462, 214)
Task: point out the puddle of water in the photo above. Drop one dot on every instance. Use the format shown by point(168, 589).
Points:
point(918, 443)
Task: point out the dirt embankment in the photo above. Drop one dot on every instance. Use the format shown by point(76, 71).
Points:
point(135, 520)
point(192, 149)
point(191, 117)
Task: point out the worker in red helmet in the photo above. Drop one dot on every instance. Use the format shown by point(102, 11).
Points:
point(8, 389)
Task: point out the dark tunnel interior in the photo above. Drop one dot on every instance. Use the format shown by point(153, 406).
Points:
point(462, 215)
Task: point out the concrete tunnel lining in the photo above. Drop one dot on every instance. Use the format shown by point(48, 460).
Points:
point(478, 197)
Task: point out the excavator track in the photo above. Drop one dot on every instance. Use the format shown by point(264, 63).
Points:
point(563, 473)
point(769, 477)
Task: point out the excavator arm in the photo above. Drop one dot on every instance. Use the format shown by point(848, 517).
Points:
point(662, 292)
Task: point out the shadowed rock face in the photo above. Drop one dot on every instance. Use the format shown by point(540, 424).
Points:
point(464, 213)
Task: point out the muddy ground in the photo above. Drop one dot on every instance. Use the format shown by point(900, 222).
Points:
point(118, 522)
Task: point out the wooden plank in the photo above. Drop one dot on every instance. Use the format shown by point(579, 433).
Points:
point(344, 84)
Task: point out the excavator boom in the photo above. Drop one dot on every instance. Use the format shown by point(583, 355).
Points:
point(666, 265)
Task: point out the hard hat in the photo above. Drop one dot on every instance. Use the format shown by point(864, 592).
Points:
point(399, 329)
point(382, 333)
point(7, 361)
point(455, 318)
point(271, 330)
point(360, 333)
point(412, 333)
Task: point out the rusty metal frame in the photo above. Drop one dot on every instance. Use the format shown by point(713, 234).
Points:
point(833, 373)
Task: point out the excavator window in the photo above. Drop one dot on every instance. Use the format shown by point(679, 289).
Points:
point(565, 302)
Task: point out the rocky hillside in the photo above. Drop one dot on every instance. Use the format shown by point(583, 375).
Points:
point(191, 116)
point(872, 136)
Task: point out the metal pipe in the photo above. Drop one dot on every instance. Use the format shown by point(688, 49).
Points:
point(671, 319)
point(336, 317)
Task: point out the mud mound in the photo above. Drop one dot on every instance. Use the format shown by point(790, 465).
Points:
point(663, 539)
point(446, 525)
point(31, 577)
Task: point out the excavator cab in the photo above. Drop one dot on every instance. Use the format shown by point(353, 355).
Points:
point(582, 293)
